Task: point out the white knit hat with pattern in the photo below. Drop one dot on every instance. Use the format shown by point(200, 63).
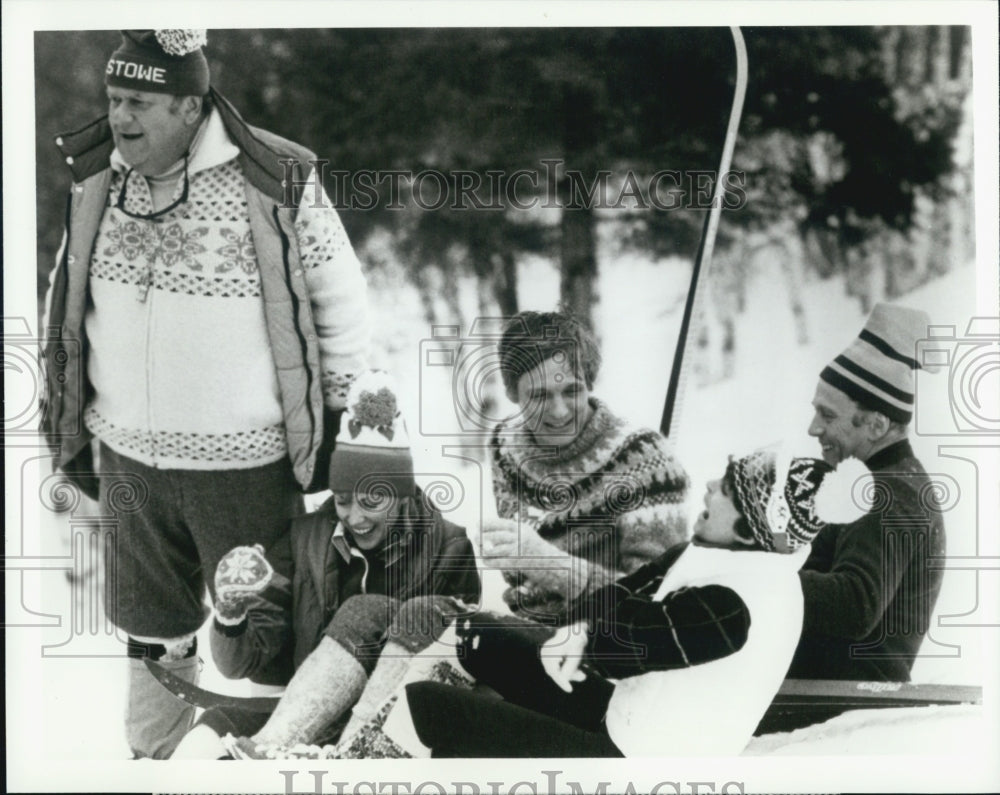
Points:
point(372, 451)
point(776, 494)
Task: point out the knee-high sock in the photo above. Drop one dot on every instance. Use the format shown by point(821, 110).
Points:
point(324, 687)
point(385, 679)
point(155, 720)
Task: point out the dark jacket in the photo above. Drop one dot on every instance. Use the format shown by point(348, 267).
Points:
point(424, 554)
point(870, 587)
point(631, 633)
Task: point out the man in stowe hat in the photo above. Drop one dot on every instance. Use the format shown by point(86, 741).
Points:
point(205, 322)
point(869, 589)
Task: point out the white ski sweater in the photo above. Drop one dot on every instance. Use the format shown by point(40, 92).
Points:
point(712, 709)
point(179, 357)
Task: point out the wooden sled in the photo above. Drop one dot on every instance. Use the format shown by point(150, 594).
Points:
point(799, 702)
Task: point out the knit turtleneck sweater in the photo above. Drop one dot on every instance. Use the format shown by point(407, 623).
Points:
point(870, 586)
point(613, 496)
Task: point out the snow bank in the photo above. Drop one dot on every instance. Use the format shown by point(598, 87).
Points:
point(936, 731)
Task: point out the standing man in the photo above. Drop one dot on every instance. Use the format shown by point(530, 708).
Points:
point(869, 589)
point(206, 325)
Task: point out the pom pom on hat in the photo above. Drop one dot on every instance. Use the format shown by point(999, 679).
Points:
point(372, 449)
point(371, 401)
point(845, 494)
point(181, 41)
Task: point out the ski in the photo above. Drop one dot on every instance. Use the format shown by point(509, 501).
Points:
point(804, 702)
point(867, 694)
point(703, 258)
point(206, 699)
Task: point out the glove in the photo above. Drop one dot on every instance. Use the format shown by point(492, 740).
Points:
point(242, 573)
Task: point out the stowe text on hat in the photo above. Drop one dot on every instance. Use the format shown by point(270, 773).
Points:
point(160, 61)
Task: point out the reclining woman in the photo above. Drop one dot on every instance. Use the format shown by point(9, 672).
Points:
point(322, 598)
point(704, 634)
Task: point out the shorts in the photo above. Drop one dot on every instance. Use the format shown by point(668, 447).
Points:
point(172, 526)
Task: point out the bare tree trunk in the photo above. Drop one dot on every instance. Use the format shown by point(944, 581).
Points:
point(890, 53)
point(579, 262)
point(505, 283)
point(578, 250)
point(426, 293)
point(940, 52)
point(452, 299)
point(960, 64)
point(913, 60)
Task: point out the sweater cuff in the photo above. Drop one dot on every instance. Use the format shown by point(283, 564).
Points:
point(230, 627)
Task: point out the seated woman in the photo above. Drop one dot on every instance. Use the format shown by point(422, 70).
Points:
point(697, 642)
point(324, 595)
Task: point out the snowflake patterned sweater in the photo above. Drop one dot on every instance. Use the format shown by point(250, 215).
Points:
point(179, 357)
point(614, 497)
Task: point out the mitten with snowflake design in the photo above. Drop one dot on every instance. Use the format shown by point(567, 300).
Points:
point(242, 573)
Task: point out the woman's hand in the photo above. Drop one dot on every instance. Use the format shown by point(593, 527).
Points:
point(562, 654)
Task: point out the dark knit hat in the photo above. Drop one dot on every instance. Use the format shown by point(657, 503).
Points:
point(160, 61)
point(372, 449)
point(776, 495)
point(877, 368)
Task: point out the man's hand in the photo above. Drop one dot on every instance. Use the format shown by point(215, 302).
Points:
point(242, 573)
point(500, 546)
point(517, 548)
point(562, 654)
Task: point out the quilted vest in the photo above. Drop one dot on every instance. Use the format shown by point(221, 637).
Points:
point(287, 310)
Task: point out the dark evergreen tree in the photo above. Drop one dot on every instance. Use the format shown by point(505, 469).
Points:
point(833, 137)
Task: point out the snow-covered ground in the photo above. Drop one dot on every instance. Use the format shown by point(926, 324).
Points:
point(768, 398)
point(910, 730)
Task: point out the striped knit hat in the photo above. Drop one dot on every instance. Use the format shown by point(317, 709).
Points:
point(161, 62)
point(776, 495)
point(372, 452)
point(877, 368)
